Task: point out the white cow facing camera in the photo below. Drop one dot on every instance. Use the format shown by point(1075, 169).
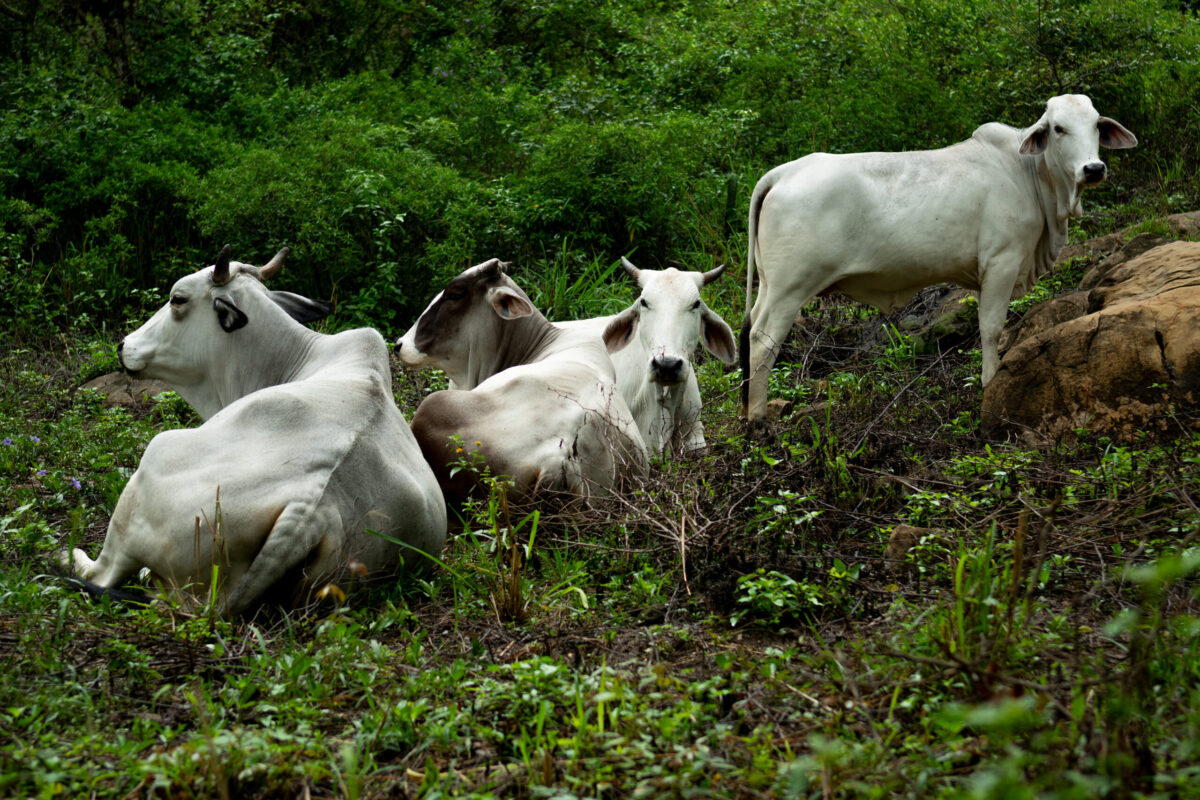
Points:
point(301, 437)
point(651, 345)
point(989, 214)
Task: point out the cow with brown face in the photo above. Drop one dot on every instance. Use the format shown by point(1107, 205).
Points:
point(537, 404)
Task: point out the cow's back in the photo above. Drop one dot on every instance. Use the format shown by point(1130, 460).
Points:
point(557, 426)
point(880, 226)
point(334, 442)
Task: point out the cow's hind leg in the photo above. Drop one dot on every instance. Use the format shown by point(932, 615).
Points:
point(294, 537)
point(771, 326)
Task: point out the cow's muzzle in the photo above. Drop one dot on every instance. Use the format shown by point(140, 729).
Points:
point(666, 370)
point(1094, 172)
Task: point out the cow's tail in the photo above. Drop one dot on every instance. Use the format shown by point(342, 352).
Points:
point(97, 592)
point(764, 185)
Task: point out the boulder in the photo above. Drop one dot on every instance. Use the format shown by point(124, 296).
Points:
point(1184, 225)
point(1172, 266)
point(1045, 316)
point(1114, 369)
point(1141, 243)
point(120, 389)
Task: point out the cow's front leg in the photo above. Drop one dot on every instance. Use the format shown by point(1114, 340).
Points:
point(996, 287)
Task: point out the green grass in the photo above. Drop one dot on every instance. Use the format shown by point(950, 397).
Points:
point(736, 625)
point(733, 629)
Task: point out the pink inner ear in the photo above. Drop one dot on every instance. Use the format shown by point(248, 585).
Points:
point(510, 306)
point(1114, 136)
point(619, 332)
point(1035, 142)
point(718, 339)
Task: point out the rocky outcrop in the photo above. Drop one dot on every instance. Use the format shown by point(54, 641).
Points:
point(120, 389)
point(1110, 359)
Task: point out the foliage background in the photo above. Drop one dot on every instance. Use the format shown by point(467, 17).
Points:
point(390, 143)
point(738, 626)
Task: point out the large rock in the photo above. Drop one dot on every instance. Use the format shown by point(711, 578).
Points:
point(1043, 317)
point(119, 389)
point(1184, 225)
point(1115, 368)
point(1141, 243)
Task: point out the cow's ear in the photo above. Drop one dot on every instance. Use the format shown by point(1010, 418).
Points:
point(717, 336)
point(620, 331)
point(230, 316)
point(509, 304)
point(1115, 136)
point(300, 308)
point(1034, 142)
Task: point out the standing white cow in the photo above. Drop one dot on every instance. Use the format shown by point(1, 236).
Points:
point(989, 214)
point(651, 345)
point(301, 437)
point(538, 403)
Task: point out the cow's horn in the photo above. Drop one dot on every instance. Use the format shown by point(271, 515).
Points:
point(630, 269)
point(272, 267)
point(713, 274)
point(221, 268)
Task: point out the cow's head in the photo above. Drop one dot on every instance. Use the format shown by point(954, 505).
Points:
point(463, 323)
point(207, 311)
point(667, 318)
point(1070, 134)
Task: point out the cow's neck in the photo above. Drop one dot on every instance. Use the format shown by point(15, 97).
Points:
point(272, 361)
point(519, 341)
point(1058, 202)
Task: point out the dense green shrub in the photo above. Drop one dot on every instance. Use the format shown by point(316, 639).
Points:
point(392, 143)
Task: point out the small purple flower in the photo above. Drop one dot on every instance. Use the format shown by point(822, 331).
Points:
point(7, 442)
point(75, 484)
point(34, 439)
point(40, 472)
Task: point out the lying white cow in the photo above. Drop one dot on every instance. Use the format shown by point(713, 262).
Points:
point(651, 345)
point(537, 402)
point(989, 214)
point(301, 436)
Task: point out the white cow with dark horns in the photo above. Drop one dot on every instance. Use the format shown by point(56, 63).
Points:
point(651, 345)
point(989, 214)
point(302, 439)
point(538, 403)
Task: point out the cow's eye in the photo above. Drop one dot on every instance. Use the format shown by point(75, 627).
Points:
point(1059, 130)
point(642, 302)
point(455, 294)
point(178, 300)
point(696, 306)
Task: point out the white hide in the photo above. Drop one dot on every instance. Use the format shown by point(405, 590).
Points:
point(989, 214)
point(651, 345)
point(302, 440)
point(540, 405)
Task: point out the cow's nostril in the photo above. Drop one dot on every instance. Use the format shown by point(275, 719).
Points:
point(667, 368)
point(1093, 172)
